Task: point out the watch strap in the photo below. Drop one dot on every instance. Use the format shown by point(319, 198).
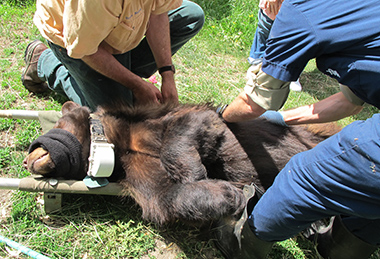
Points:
point(166, 68)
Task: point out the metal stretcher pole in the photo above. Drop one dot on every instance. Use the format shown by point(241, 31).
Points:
point(47, 119)
point(19, 114)
point(9, 183)
point(53, 189)
point(32, 184)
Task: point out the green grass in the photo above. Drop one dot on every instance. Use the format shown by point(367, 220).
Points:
point(210, 68)
point(87, 225)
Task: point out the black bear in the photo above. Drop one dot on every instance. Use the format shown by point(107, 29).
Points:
point(178, 162)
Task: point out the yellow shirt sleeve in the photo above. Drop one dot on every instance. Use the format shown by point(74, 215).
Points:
point(162, 6)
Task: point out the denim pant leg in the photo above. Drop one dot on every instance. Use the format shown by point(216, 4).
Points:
point(79, 82)
point(259, 43)
point(58, 78)
point(340, 176)
point(185, 22)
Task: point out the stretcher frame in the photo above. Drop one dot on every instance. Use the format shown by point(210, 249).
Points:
point(52, 188)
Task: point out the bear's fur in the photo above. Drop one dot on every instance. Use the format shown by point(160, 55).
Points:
point(183, 162)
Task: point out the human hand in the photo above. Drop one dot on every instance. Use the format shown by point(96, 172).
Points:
point(168, 89)
point(270, 7)
point(147, 93)
point(274, 117)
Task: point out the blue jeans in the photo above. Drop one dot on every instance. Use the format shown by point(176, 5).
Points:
point(340, 176)
point(83, 85)
point(259, 43)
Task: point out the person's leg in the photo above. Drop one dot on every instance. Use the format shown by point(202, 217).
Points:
point(336, 241)
point(259, 43)
point(58, 78)
point(338, 177)
point(78, 81)
point(185, 22)
point(365, 229)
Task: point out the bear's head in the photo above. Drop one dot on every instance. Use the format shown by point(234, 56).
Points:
point(63, 151)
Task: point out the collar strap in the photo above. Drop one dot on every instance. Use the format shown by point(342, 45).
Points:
point(102, 157)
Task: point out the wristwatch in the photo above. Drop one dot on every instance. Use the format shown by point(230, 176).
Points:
point(166, 68)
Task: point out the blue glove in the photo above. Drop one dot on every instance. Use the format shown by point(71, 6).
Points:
point(274, 117)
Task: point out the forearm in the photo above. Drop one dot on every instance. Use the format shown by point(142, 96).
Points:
point(333, 108)
point(158, 37)
point(242, 109)
point(106, 64)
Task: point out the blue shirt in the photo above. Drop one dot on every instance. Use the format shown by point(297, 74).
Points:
point(343, 36)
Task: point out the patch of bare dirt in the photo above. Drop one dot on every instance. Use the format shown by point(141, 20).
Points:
point(164, 251)
point(170, 250)
point(5, 204)
point(7, 139)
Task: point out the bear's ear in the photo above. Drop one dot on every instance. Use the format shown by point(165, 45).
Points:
point(69, 106)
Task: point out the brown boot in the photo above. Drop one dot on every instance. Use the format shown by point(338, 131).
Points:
point(29, 77)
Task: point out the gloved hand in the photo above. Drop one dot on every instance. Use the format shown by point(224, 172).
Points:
point(274, 117)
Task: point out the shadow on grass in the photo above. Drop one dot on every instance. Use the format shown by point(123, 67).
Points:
point(215, 9)
point(61, 99)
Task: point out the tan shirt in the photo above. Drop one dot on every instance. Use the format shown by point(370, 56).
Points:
point(80, 26)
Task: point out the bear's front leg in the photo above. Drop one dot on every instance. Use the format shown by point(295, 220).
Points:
point(203, 201)
point(182, 161)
